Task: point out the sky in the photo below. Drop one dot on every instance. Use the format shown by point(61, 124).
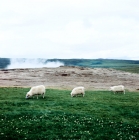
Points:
point(66, 29)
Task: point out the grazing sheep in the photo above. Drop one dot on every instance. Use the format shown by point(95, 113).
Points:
point(36, 90)
point(119, 88)
point(78, 90)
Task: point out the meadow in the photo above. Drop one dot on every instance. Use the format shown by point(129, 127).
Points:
point(100, 115)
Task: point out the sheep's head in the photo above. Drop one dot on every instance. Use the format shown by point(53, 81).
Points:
point(71, 94)
point(28, 95)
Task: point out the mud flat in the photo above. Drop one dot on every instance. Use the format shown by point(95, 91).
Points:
point(69, 77)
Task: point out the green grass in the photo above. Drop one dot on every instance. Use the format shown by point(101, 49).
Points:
point(100, 115)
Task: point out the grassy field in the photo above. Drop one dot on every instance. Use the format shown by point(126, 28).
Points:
point(100, 115)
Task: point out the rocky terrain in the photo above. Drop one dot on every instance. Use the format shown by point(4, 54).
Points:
point(69, 77)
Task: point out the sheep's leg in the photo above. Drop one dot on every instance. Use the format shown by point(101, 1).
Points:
point(124, 91)
point(37, 96)
point(43, 94)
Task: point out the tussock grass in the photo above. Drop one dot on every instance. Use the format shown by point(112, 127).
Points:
point(98, 115)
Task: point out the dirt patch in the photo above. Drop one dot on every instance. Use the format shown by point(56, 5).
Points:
point(69, 77)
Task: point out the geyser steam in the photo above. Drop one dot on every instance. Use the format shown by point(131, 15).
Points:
point(32, 63)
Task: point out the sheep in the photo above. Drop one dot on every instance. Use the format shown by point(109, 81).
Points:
point(78, 90)
point(36, 90)
point(119, 88)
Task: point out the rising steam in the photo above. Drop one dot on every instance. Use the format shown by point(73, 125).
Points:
point(32, 63)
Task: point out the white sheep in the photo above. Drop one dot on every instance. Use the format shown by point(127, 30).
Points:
point(36, 90)
point(119, 88)
point(77, 91)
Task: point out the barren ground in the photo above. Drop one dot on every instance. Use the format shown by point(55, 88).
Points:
point(69, 77)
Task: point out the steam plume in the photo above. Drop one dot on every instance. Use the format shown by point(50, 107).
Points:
point(32, 63)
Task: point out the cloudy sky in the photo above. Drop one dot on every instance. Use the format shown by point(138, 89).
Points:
point(69, 29)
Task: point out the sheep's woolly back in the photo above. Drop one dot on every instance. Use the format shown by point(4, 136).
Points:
point(37, 89)
point(117, 88)
point(78, 90)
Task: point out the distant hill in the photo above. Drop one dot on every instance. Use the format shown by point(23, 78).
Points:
point(125, 65)
point(4, 62)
